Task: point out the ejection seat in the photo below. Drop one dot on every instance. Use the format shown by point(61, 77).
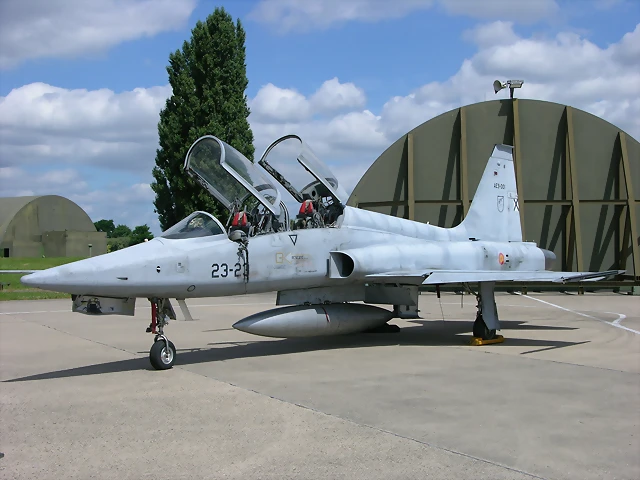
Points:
point(309, 215)
point(240, 222)
point(254, 204)
point(307, 179)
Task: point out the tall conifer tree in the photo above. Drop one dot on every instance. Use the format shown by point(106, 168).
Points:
point(209, 79)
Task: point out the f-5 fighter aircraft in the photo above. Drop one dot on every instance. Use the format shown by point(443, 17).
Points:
point(320, 262)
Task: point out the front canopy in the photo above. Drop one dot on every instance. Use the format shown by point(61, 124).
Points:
point(229, 175)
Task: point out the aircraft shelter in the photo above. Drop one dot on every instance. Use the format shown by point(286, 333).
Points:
point(48, 225)
point(578, 179)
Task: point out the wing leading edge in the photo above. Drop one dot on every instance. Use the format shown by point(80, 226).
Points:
point(460, 276)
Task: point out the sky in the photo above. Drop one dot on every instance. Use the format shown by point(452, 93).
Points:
point(82, 82)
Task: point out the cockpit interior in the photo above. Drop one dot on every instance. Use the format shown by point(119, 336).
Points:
point(198, 224)
point(255, 205)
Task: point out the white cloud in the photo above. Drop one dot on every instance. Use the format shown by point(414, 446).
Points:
point(566, 69)
point(128, 204)
point(276, 104)
point(492, 34)
point(282, 105)
point(131, 205)
point(334, 96)
point(18, 182)
point(69, 28)
point(304, 15)
point(40, 124)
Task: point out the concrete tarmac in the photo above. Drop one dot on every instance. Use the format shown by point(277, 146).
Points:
point(560, 399)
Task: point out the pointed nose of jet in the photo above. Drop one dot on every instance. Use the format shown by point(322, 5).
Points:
point(104, 274)
point(39, 279)
point(57, 278)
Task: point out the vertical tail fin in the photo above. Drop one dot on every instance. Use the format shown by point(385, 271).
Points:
point(494, 214)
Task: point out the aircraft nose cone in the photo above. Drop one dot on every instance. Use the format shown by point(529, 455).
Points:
point(39, 279)
point(101, 275)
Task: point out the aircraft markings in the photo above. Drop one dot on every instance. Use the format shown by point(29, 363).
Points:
point(216, 273)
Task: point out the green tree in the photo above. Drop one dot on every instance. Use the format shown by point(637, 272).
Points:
point(114, 244)
point(140, 234)
point(121, 231)
point(208, 77)
point(106, 226)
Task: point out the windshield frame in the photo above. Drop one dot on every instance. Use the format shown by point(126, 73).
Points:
point(274, 207)
point(180, 225)
point(307, 162)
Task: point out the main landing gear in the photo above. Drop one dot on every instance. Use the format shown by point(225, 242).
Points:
point(163, 352)
point(486, 323)
point(480, 329)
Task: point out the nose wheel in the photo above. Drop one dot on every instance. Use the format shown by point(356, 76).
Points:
point(163, 352)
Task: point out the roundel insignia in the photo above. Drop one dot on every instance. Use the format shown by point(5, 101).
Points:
point(501, 259)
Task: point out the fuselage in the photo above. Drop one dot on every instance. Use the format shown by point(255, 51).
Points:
point(298, 259)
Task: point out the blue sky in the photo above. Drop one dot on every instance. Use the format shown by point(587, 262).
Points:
point(81, 84)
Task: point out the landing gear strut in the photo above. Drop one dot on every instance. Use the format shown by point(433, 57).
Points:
point(163, 352)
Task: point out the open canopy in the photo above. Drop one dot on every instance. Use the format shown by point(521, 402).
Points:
point(229, 175)
point(294, 165)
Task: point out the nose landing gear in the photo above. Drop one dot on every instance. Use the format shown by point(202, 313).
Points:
point(163, 352)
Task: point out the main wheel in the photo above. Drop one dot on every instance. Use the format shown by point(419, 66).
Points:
point(160, 356)
point(480, 329)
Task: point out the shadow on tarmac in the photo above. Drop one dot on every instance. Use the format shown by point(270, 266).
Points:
point(425, 333)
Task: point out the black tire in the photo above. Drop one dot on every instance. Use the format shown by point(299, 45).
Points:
point(159, 357)
point(480, 330)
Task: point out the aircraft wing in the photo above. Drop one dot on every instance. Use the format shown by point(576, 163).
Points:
point(461, 276)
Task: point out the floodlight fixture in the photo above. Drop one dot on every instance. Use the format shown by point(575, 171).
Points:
point(512, 84)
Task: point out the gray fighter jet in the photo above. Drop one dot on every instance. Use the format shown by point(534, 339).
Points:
point(320, 262)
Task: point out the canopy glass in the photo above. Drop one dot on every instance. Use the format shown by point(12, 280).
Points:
point(229, 175)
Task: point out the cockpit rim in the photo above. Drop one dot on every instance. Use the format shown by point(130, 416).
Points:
point(167, 235)
point(275, 208)
point(282, 180)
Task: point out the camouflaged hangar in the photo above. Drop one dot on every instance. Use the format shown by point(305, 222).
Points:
point(578, 178)
point(48, 225)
